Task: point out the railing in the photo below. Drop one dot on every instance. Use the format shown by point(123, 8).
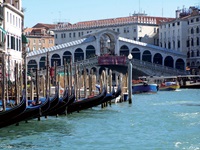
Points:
point(149, 68)
point(156, 67)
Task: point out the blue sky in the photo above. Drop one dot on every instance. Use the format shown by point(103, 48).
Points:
point(51, 11)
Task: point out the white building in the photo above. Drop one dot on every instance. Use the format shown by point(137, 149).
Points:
point(193, 43)
point(13, 25)
point(139, 27)
point(183, 34)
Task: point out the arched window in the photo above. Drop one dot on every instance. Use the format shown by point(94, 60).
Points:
point(197, 52)
point(192, 31)
point(197, 29)
point(192, 42)
point(192, 54)
point(188, 54)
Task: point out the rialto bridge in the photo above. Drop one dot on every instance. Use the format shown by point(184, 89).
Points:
point(105, 49)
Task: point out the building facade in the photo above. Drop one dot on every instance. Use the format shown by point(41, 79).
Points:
point(193, 43)
point(182, 34)
point(138, 27)
point(40, 36)
point(12, 30)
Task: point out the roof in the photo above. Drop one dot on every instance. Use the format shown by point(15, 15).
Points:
point(58, 47)
point(114, 21)
point(46, 26)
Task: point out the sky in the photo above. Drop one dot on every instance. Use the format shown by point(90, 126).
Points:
point(73, 11)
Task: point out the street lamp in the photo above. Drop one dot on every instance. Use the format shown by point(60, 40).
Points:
point(130, 78)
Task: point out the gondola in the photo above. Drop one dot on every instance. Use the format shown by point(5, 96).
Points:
point(110, 96)
point(63, 101)
point(10, 113)
point(86, 103)
point(54, 102)
point(31, 112)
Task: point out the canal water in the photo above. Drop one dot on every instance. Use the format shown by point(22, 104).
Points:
point(162, 121)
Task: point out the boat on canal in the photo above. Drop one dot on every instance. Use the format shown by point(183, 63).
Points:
point(143, 86)
point(165, 83)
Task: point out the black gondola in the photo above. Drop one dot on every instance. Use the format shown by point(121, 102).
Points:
point(10, 113)
point(86, 103)
point(31, 112)
point(54, 102)
point(63, 101)
point(110, 96)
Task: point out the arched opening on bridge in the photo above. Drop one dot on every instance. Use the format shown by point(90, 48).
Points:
point(78, 55)
point(107, 44)
point(169, 61)
point(180, 64)
point(101, 69)
point(55, 58)
point(67, 56)
point(146, 56)
point(124, 51)
point(32, 64)
point(90, 51)
point(94, 70)
point(136, 53)
point(42, 63)
point(157, 59)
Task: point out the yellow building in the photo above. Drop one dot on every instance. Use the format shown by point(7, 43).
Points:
point(40, 36)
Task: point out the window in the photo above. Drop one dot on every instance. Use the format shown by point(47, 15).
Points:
point(56, 36)
point(10, 18)
point(197, 52)
point(70, 35)
point(13, 20)
point(74, 34)
point(173, 24)
point(154, 30)
point(178, 43)
point(197, 41)
point(178, 23)
point(7, 17)
point(192, 21)
point(192, 42)
point(192, 31)
point(197, 29)
point(197, 19)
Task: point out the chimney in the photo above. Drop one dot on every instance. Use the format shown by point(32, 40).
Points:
point(178, 13)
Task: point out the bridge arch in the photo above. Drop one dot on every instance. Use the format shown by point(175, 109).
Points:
point(32, 64)
point(158, 59)
point(42, 62)
point(124, 51)
point(107, 39)
point(78, 55)
point(55, 58)
point(136, 53)
point(67, 56)
point(169, 61)
point(90, 51)
point(146, 56)
point(180, 64)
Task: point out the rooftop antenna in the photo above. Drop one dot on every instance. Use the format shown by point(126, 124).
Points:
point(162, 8)
point(139, 7)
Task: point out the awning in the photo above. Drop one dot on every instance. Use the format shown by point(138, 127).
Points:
point(4, 31)
point(24, 39)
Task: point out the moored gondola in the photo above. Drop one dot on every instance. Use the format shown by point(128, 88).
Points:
point(10, 113)
point(31, 112)
point(86, 103)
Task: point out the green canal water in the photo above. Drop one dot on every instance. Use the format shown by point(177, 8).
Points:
point(162, 121)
